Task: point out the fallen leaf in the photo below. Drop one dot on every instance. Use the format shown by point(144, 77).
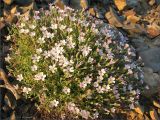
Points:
point(156, 104)
point(133, 18)
point(59, 4)
point(139, 109)
point(14, 10)
point(129, 12)
point(92, 11)
point(153, 30)
point(153, 114)
point(120, 4)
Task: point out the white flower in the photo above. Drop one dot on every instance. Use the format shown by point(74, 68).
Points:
point(41, 40)
point(34, 67)
point(131, 106)
point(95, 84)
point(86, 50)
point(32, 34)
point(22, 30)
point(20, 77)
point(22, 25)
point(8, 58)
point(26, 90)
point(54, 26)
point(82, 85)
point(54, 103)
point(52, 68)
point(102, 72)
point(62, 27)
point(111, 79)
point(69, 30)
point(95, 115)
point(43, 28)
point(36, 58)
point(46, 54)
point(26, 31)
point(88, 79)
point(100, 89)
point(85, 114)
point(40, 76)
point(113, 110)
point(66, 90)
point(90, 59)
point(32, 26)
point(8, 37)
point(39, 50)
point(71, 106)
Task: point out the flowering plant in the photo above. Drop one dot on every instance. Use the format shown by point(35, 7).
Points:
point(72, 62)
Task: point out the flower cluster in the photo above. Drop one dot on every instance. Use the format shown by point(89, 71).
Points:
point(78, 63)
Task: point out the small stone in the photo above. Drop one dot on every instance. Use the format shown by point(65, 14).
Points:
point(8, 2)
point(120, 4)
point(139, 109)
point(151, 58)
point(147, 70)
point(153, 114)
point(156, 103)
point(156, 41)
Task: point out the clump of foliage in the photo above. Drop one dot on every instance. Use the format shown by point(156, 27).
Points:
point(73, 63)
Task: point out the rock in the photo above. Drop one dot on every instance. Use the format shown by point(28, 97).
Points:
point(156, 103)
point(147, 70)
point(140, 44)
point(156, 41)
point(120, 4)
point(153, 114)
point(113, 18)
point(132, 3)
point(151, 79)
point(151, 58)
point(139, 109)
point(8, 2)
